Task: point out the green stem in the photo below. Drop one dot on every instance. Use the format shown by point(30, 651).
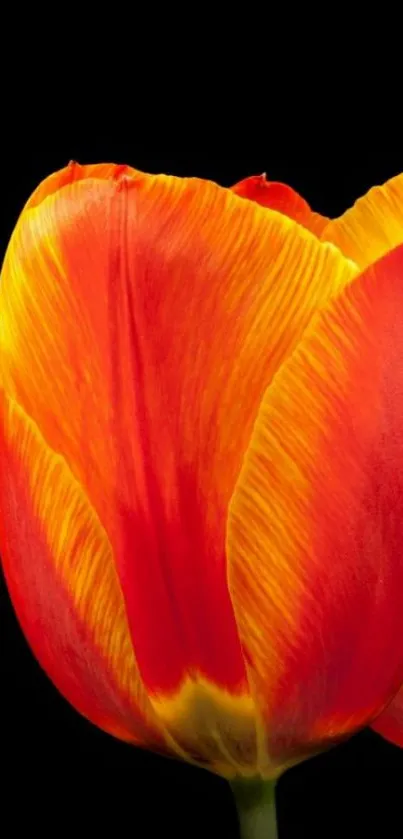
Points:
point(256, 805)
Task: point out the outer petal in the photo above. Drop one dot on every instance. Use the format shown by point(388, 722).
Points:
point(283, 198)
point(142, 320)
point(75, 172)
point(55, 555)
point(390, 722)
point(316, 523)
point(372, 227)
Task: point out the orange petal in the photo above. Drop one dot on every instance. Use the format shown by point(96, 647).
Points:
point(284, 199)
point(75, 172)
point(316, 522)
point(60, 571)
point(55, 555)
point(390, 723)
point(142, 320)
point(372, 227)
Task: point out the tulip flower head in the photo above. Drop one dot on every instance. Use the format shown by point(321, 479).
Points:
point(201, 485)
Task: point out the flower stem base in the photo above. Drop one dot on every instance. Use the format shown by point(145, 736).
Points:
point(256, 805)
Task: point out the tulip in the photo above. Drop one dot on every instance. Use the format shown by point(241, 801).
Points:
point(201, 485)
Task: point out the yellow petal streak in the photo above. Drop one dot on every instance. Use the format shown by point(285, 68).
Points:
point(372, 227)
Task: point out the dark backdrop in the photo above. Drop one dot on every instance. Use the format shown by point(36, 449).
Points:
point(63, 775)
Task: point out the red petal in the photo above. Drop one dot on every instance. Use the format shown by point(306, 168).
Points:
point(283, 198)
point(316, 522)
point(390, 723)
point(55, 554)
point(142, 320)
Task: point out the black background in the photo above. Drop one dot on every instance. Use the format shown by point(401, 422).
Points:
point(62, 774)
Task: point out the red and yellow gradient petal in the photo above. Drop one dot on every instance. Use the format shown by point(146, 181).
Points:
point(284, 199)
point(62, 579)
point(142, 320)
point(55, 555)
point(372, 227)
point(364, 233)
point(390, 723)
point(316, 523)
